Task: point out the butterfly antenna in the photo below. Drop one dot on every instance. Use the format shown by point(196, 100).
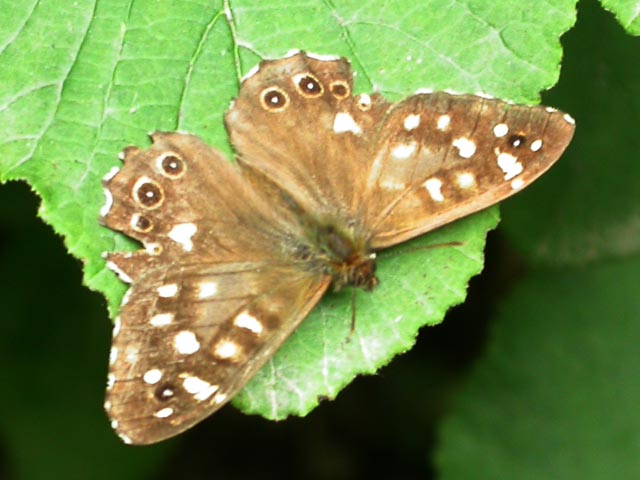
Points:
point(395, 253)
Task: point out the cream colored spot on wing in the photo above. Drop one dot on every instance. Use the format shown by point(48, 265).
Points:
point(131, 356)
point(186, 343)
point(509, 165)
point(108, 203)
point(466, 147)
point(164, 412)
point(226, 349)
point(200, 389)
point(111, 381)
point(110, 174)
point(153, 248)
point(249, 322)
point(113, 355)
point(119, 272)
point(434, 186)
point(162, 319)
point(403, 151)
point(207, 290)
point(117, 325)
point(569, 119)
point(221, 397)
point(364, 102)
point(411, 122)
point(392, 185)
point(126, 297)
point(344, 122)
point(152, 376)
point(500, 130)
point(536, 145)
point(443, 122)
point(182, 233)
point(517, 184)
point(466, 180)
point(169, 290)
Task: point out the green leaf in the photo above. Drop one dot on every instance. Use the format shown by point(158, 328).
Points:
point(627, 12)
point(108, 72)
point(556, 394)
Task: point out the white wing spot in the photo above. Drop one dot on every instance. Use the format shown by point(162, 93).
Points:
point(182, 234)
point(200, 389)
point(226, 349)
point(162, 319)
point(248, 321)
point(132, 354)
point(517, 184)
point(466, 148)
point(186, 343)
point(466, 180)
point(433, 186)
point(207, 289)
point(115, 424)
point(164, 413)
point(550, 109)
point(536, 145)
point(509, 165)
point(344, 122)
point(364, 102)
point(153, 248)
point(443, 122)
point(221, 397)
point(125, 439)
point(403, 151)
point(117, 324)
point(169, 290)
point(111, 381)
point(569, 119)
point(110, 174)
point(107, 204)
point(411, 122)
point(126, 297)
point(118, 271)
point(391, 185)
point(113, 355)
point(107, 405)
point(152, 376)
point(500, 130)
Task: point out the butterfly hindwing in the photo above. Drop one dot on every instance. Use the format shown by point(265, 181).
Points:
point(188, 338)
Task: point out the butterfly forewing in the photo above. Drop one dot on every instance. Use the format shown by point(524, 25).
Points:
point(235, 256)
point(306, 132)
point(441, 157)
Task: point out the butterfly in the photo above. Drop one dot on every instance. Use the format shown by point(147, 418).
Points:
point(236, 255)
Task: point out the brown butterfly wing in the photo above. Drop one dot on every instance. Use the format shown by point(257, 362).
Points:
point(213, 295)
point(441, 157)
point(296, 124)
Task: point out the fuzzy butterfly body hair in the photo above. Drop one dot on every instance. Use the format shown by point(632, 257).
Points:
point(236, 255)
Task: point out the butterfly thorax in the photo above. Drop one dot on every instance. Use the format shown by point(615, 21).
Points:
point(344, 256)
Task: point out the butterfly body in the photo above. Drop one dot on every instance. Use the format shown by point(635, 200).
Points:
point(236, 255)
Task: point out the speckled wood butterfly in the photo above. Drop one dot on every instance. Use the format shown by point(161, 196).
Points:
point(236, 255)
